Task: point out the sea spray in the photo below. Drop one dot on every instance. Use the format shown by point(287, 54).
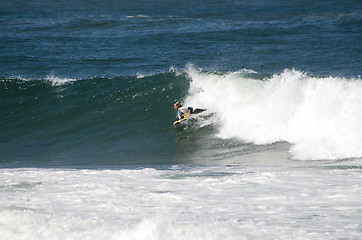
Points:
point(57, 81)
point(320, 116)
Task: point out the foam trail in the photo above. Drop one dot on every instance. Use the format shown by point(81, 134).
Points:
point(321, 117)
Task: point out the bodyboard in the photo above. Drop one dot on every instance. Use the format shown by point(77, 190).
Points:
point(187, 116)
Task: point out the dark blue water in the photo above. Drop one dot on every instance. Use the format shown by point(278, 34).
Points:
point(93, 82)
point(121, 38)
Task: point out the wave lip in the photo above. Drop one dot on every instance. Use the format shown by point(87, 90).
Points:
point(320, 116)
point(56, 81)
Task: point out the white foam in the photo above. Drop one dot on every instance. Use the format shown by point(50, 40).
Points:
point(321, 117)
point(138, 16)
point(198, 203)
point(56, 81)
point(141, 75)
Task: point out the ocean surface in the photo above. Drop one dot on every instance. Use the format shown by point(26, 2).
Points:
point(87, 145)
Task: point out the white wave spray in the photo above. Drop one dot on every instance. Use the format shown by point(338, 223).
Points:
point(320, 117)
point(56, 81)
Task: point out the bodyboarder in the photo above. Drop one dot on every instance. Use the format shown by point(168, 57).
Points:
point(182, 111)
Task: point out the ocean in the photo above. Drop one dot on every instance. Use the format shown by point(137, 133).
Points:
point(87, 145)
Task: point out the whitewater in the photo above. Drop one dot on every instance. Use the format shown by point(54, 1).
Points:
point(204, 202)
point(320, 116)
point(302, 117)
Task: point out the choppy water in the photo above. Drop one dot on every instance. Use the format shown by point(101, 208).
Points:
point(87, 146)
point(183, 202)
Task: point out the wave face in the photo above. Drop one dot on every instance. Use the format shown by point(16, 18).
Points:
point(128, 120)
point(320, 117)
point(90, 120)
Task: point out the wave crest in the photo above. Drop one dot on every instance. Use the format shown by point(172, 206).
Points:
point(320, 117)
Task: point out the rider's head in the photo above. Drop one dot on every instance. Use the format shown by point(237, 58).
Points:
point(177, 105)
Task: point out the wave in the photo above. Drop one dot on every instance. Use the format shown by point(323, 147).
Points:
point(115, 120)
point(95, 118)
point(320, 116)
